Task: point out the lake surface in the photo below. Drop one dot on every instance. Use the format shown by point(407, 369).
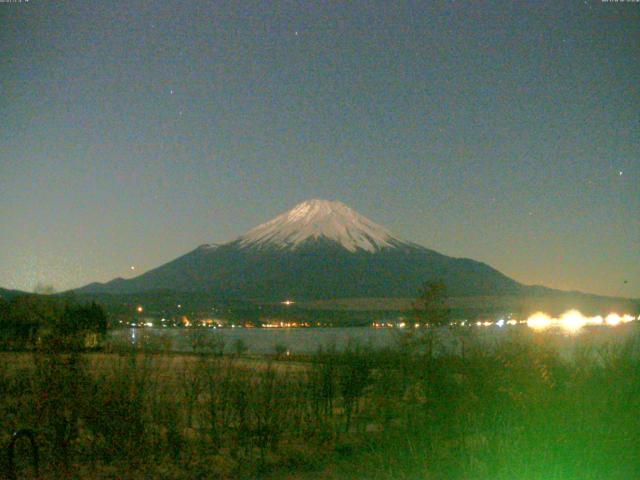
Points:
point(309, 340)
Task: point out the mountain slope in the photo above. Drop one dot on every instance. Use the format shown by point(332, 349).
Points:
point(317, 250)
point(7, 294)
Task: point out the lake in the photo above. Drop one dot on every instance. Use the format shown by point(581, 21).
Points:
point(308, 340)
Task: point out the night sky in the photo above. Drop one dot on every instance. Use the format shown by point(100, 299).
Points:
point(508, 132)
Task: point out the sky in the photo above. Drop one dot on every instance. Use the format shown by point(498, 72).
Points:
point(508, 132)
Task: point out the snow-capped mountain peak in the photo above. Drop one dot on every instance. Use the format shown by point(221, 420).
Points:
point(315, 219)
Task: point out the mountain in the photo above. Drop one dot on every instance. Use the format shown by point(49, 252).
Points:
point(318, 250)
point(320, 219)
point(8, 294)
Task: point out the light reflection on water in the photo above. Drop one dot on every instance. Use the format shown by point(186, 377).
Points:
point(309, 340)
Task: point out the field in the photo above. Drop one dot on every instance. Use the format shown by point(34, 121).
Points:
point(517, 411)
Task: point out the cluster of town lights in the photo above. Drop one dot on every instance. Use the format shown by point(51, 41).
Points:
point(573, 320)
point(286, 325)
point(570, 321)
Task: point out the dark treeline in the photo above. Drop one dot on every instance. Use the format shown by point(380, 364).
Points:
point(519, 410)
point(36, 321)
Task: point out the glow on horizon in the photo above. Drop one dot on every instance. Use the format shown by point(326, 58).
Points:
point(573, 320)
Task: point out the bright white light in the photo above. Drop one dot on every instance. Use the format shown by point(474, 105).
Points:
point(500, 323)
point(572, 321)
point(539, 321)
point(613, 319)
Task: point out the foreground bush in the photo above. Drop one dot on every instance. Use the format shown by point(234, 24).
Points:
point(518, 410)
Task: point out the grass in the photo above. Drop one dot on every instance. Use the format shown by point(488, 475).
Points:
point(519, 410)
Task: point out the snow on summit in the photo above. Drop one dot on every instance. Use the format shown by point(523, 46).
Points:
point(316, 219)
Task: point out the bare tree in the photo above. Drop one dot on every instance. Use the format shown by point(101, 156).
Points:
point(431, 307)
point(431, 310)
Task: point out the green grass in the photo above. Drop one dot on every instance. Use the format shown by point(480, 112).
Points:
point(519, 411)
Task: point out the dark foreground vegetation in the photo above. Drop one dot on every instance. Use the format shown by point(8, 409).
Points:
point(29, 322)
point(519, 411)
